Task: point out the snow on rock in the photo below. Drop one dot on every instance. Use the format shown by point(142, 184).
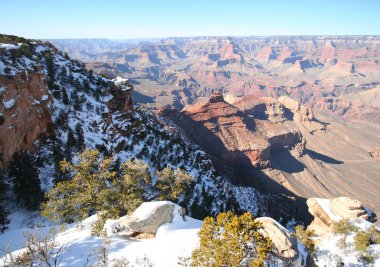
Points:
point(147, 208)
point(122, 83)
point(10, 46)
point(325, 205)
point(2, 90)
point(10, 103)
point(330, 251)
point(44, 98)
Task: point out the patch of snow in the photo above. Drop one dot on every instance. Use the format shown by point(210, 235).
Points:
point(10, 103)
point(121, 82)
point(44, 98)
point(146, 209)
point(2, 67)
point(40, 48)
point(329, 251)
point(10, 46)
point(2, 90)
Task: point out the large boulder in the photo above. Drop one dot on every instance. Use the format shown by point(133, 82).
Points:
point(284, 244)
point(149, 217)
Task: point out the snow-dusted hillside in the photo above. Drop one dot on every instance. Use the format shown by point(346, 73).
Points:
point(84, 103)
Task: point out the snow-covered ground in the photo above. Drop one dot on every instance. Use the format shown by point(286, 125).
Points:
point(173, 240)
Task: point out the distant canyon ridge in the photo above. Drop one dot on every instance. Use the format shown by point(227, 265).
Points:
point(336, 73)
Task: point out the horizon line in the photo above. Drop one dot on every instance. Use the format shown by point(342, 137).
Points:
point(214, 36)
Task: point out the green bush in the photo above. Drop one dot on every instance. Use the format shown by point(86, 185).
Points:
point(231, 240)
point(364, 239)
point(344, 227)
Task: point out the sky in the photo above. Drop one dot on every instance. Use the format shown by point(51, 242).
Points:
point(118, 19)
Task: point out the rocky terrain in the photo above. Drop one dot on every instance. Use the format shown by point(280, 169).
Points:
point(315, 70)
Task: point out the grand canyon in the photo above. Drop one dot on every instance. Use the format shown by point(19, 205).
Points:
point(318, 95)
point(189, 133)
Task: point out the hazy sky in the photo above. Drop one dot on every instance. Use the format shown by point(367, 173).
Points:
point(164, 18)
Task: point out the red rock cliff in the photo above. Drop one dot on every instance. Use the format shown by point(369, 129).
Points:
point(24, 108)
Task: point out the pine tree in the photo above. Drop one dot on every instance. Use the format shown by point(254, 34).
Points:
point(71, 145)
point(26, 183)
point(50, 69)
point(57, 158)
point(79, 137)
point(64, 97)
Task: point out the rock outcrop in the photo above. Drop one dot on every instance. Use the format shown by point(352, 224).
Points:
point(284, 244)
point(328, 211)
point(149, 217)
point(242, 135)
point(122, 100)
point(264, 108)
point(302, 114)
point(25, 113)
point(223, 131)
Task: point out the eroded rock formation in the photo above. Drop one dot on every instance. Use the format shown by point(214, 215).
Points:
point(241, 135)
point(223, 131)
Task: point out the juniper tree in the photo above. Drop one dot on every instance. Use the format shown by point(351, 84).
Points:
point(172, 183)
point(231, 240)
point(96, 186)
